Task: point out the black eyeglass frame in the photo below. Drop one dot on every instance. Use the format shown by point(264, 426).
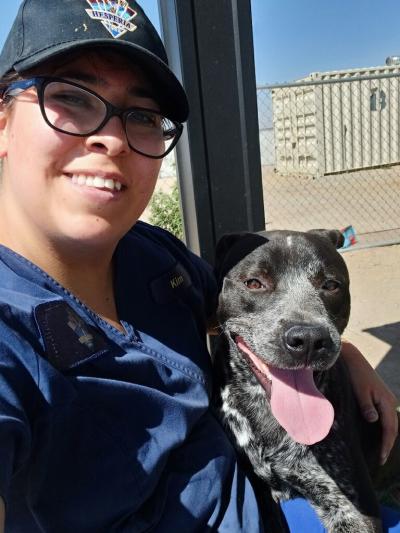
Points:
point(40, 83)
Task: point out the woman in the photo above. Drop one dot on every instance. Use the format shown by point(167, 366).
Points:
point(104, 371)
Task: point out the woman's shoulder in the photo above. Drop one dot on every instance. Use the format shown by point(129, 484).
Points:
point(162, 244)
point(155, 235)
point(150, 248)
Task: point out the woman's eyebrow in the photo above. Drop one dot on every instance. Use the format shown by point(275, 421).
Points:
point(84, 77)
point(80, 77)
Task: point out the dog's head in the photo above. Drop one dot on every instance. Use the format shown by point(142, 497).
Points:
point(286, 294)
point(284, 302)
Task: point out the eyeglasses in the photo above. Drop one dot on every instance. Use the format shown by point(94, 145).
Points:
point(70, 108)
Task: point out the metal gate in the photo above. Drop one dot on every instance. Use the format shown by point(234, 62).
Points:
point(330, 153)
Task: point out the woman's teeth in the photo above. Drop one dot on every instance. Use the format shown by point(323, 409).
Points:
point(97, 182)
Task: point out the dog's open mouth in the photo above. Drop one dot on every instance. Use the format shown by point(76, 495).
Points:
point(296, 403)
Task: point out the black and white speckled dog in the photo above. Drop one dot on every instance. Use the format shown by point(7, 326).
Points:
point(282, 391)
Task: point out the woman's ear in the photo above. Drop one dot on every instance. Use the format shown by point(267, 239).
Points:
point(4, 115)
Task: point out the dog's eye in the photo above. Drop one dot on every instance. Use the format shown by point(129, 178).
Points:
point(254, 284)
point(330, 285)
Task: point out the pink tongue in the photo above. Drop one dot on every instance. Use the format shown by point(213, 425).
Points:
point(299, 406)
point(296, 403)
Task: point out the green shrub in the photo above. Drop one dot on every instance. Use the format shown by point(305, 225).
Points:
point(165, 211)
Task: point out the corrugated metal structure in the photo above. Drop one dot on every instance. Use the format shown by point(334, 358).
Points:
point(337, 121)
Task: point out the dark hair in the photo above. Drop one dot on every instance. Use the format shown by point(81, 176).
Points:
point(8, 78)
point(5, 81)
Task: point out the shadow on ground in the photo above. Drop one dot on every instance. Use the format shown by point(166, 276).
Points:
point(389, 367)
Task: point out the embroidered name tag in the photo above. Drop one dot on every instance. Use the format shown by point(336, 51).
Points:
point(170, 285)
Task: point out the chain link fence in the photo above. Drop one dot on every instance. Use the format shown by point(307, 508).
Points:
point(330, 153)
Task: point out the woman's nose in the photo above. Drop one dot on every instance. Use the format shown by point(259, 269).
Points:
point(111, 139)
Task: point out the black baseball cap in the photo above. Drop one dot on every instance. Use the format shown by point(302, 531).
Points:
point(45, 29)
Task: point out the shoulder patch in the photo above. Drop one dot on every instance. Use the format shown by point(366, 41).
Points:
point(68, 339)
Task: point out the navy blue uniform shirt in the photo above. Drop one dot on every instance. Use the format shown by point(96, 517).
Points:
point(103, 431)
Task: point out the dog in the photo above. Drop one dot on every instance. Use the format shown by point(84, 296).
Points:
point(282, 390)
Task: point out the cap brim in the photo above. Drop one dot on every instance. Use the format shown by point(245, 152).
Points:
point(173, 97)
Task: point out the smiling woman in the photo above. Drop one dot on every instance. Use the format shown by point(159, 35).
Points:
point(52, 202)
point(105, 377)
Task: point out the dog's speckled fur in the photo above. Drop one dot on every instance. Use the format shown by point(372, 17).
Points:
point(293, 268)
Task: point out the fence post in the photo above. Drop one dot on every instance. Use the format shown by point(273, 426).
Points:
point(210, 45)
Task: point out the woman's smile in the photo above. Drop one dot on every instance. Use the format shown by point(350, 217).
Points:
point(96, 181)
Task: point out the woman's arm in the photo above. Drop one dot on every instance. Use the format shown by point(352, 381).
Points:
point(375, 399)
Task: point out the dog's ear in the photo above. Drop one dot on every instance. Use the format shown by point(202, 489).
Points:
point(334, 235)
point(231, 249)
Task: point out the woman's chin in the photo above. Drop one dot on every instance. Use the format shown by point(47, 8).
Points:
point(96, 235)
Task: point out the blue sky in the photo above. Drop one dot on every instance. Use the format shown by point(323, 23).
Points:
point(295, 37)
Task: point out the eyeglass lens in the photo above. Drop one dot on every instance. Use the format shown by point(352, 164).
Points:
point(74, 110)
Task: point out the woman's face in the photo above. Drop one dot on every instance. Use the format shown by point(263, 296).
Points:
point(46, 191)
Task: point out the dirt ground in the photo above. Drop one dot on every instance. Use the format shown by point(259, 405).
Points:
point(366, 199)
point(374, 325)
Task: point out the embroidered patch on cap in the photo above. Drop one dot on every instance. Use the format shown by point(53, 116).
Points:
point(115, 15)
point(68, 339)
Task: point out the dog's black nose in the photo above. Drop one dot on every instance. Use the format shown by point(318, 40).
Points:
point(307, 341)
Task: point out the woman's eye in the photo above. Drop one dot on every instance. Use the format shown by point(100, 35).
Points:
point(144, 119)
point(71, 99)
point(330, 285)
point(254, 284)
